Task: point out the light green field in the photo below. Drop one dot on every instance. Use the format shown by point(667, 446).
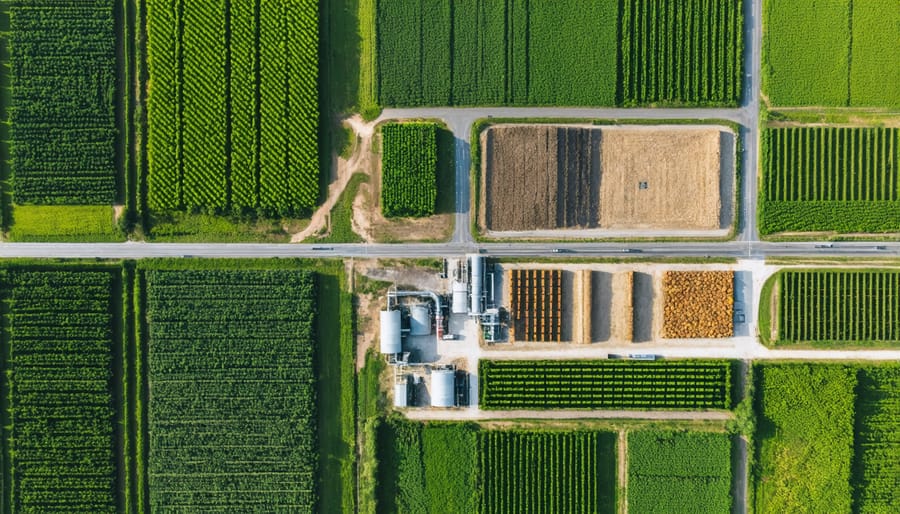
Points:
point(51, 223)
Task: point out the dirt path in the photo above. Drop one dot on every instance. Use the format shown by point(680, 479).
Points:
point(340, 175)
point(622, 461)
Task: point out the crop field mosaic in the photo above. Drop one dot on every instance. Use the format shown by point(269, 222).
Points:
point(233, 105)
point(481, 52)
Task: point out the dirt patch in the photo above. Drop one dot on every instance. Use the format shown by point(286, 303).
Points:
point(540, 176)
point(660, 177)
point(594, 179)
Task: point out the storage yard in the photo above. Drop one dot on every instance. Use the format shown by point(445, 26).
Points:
point(599, 179)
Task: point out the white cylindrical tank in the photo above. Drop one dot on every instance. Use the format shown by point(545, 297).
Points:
point(476, 266)
point(390, 332)
point(401, 394)
point(443, 388)
point(419, 320)
point(460, 298)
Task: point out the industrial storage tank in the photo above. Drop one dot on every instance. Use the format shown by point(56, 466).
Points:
point(476, 266)
point(390, 332)
point(443, 388)
point(419, 320)
point(460, 302)
point(401, 393)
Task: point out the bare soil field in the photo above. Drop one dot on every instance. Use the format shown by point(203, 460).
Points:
point(590, 179)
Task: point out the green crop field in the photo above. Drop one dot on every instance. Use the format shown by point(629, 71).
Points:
point(679, 472)
point(62, 339)
point(682, 52)
point(831, 306)
point(62, 101)
point(232, 415)
point(426, 468)
point(233, 106)
point(602, 384)
point(836, 53)
point(830, 179)
point(478, 52)
point(482, 52)
point(409, 169)
point(828, 436)
point(531, 471)
point(805, 437)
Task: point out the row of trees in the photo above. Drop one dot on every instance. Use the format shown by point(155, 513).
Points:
point(839, 306)
point(61, 405)
point(62, 101)
point(269, 158)
point(231, 374)
point(586, 384)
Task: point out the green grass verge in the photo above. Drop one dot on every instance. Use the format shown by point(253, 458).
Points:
point(64, 223)
point(342, 214)
point(185, 227)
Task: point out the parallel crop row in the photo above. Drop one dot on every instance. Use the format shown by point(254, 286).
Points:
point(62, 101)
point(839, 306)
point(232, 413)
point(233, 107)
point(409, 169)
point(605, 384)
point(60, 370)
point(523, 471)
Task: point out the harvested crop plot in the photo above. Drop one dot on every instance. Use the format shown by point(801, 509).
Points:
point(531, 471)
point(62, 101)
point(233, 121)
point(657, 177)
point(535, 304)
point(232, 410)
point(698, 304)
point(682, 52)
point(409, 169)
point(829, 178)
point(60, 369)
point(822, 306)
point(483, 52)
point(679, 471)
point(838, 53)
point(598, 384)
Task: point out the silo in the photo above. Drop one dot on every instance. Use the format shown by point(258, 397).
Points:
point(401, 394)
point(443, 388)
point(460, 302)
point(419, 320)
point(390, 332)
point(476, 266)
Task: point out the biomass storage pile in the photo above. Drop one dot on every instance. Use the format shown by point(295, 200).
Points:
point(535, 299)
point(698, 304)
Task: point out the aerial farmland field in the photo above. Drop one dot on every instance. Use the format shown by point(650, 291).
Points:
point(652, 178)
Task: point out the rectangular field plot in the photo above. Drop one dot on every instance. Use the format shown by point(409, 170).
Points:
point(877, 439)
point(679, 472)
point(598, 384)
point(233, 106)
point(232, 401)
point(682, 52)
point(530, 471)
point(830, 179)
point(62, 340)
point(839, 306)
point(698, 304)
point(535, 304)
point(62, 101)
point(409, 169)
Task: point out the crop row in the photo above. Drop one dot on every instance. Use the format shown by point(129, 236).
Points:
point(839, 306)
point(60, 375)
point(553, 385)
point(261, 62)
point(409, 169)
point(523, 471)
point(689, 52)
point(62, 101)
point(239, 398)
point(831, 164)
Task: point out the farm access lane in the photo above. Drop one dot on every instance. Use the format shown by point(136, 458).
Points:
point(650, 250)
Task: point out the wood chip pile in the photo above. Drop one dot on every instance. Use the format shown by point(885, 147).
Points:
point(698, 304)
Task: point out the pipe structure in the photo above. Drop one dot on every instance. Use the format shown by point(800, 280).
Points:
point(438, 313)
